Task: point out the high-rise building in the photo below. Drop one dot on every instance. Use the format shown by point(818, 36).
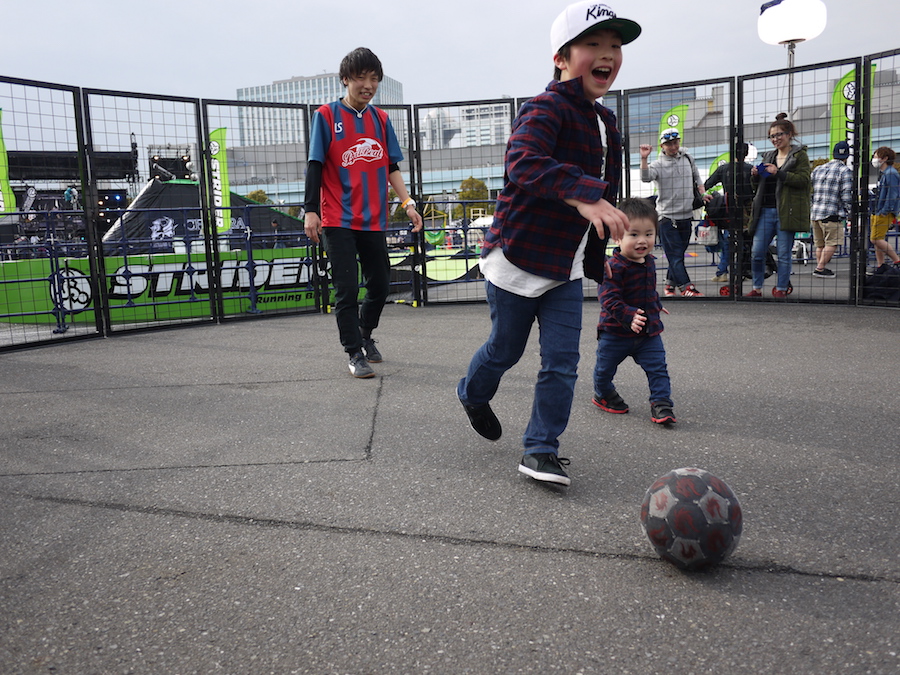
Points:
point(263, 126)
point(317, 89)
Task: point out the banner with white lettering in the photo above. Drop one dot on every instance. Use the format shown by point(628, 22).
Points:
point(221, 188)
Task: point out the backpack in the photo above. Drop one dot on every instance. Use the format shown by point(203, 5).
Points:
point(717, 210)
point(884, 286)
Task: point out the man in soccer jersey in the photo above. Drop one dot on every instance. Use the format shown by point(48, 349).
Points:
point(353, 158)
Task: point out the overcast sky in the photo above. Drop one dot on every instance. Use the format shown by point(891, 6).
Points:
point(440, 51)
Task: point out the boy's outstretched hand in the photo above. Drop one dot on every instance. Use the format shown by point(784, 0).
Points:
point(607, 219)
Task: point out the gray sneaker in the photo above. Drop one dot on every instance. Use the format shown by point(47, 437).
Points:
point(371, 351)
point(359, 366)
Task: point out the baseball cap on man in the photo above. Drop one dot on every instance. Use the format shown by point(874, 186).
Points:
point(584, 17)
point(670, 134)
point(841, 150)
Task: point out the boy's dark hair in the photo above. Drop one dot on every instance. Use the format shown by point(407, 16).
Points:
point(639, 208)
point(565, 51)
point(360, 60)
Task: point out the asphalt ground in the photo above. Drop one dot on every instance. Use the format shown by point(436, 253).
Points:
point(229, 499)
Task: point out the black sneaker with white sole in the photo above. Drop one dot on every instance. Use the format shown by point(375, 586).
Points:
point(359, 366)
point(546, 467)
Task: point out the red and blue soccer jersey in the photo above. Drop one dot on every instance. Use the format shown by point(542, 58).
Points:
point(355, 151)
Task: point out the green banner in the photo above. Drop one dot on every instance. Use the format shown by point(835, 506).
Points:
point(843, 110)
point(154, 287)
point(7, 198)
point(175, 286)
point(221, 188)
point(673, 119)
point(724, 158)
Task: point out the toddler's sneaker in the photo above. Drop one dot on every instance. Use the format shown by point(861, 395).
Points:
point(661, 413)
point(611, 403)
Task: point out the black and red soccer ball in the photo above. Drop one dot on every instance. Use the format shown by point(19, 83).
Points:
point(692, 518)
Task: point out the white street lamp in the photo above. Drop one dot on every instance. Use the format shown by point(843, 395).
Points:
point(787, 22)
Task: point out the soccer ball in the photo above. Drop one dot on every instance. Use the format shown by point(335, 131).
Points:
point(691, 518)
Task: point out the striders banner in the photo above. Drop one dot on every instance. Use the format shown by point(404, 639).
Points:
point(221, 187)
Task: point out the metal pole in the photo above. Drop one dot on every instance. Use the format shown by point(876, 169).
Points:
point(790, 106)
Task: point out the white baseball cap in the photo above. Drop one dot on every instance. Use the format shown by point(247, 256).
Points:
point(582, 17)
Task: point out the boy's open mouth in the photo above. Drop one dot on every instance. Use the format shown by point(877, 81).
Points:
point(601, 73)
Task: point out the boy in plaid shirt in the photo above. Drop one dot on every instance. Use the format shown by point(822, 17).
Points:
point(630, 324)
point(549, 231)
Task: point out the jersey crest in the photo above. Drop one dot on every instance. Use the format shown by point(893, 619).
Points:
point(364, 150)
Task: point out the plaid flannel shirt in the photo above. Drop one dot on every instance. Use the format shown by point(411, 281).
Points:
point(630, 287)
point(832, 191)
point(554, 153)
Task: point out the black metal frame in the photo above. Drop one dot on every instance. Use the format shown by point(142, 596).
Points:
point(418, 290)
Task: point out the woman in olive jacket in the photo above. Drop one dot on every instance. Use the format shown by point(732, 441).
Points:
point(781, 204)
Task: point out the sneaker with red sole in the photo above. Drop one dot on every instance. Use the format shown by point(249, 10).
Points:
point(611, 403)
point(755, 293)
point(690, 291)
point(669, 291)
point(661, 413)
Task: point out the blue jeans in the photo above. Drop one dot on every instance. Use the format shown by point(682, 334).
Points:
point(343, 246)
point(647, 351)
point(724, 252)
point(674, 236)
point(766, 228)
point(558, 312)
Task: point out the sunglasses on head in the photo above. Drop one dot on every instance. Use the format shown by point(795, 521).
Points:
point(670, 136)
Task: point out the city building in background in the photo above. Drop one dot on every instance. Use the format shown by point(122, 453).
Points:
point(265, 126)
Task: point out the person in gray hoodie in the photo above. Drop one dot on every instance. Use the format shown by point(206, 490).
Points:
point(676, 175)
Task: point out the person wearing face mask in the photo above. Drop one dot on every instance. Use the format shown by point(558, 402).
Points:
point(885, 208)
point(781, 204)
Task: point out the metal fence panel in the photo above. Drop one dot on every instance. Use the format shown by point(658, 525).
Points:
point(703, 114)
point(815, 99)
point(155, 263)
point(254, 172)
point(461, 151)
point(46, 271)
point(881, 111)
